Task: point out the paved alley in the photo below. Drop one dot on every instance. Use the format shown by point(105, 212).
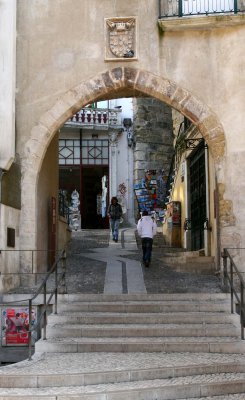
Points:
point(96, 264)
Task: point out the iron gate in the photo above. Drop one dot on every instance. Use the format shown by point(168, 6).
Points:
point(198, 197)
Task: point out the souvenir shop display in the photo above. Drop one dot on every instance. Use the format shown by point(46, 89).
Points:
point(150, 194)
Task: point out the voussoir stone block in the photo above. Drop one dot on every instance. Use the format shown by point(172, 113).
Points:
point(179, 98)
point(84, 91)
point(130, 76)
point(71, 99)
point(61, 111)
point(97, 86)
point(117, 76)
point(47, 120)
point(193, 109)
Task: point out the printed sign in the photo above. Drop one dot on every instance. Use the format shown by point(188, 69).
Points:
point(15, 326)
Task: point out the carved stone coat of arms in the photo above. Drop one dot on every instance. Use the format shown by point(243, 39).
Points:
point(121, 41)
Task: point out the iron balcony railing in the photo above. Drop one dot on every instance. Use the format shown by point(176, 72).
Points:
point(95, 118)
point(182, 8)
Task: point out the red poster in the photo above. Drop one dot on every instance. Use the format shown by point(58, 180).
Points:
point(15, 326)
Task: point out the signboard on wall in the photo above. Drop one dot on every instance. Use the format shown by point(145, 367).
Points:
point(174, 213)
point(15, 325)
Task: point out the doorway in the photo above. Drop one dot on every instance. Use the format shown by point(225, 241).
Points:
point(91, 193)
point(197, 197)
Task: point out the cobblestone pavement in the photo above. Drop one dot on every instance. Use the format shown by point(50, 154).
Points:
point(83, 274)
point(159, 278)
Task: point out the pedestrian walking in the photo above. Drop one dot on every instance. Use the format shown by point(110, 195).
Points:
point(115, 214)
point(147, 229)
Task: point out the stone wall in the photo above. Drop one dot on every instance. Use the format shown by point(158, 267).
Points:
point(153, 136)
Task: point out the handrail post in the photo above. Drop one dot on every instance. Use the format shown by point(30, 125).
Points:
point(232, 287)
point(45, 311)
point(180, 8)
point(29, 331)
point(63, 280)
point(225, 274)
point(242, 317)
point(56, 290)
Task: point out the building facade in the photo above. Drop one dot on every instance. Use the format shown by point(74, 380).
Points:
point(194, 64)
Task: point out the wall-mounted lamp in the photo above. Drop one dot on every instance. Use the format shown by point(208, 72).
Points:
point(127, 123)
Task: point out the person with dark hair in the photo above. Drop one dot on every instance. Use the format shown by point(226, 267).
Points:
point(147, 229)
point(115, 214)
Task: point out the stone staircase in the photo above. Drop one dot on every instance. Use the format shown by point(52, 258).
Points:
point(138, 346)
point(188, 261)
point(181, 260)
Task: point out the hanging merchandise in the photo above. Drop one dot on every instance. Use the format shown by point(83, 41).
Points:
point(150, 193)
point(74, 211)
point(104, 183)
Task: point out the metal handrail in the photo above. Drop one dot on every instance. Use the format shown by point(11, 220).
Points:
point(229, 278)
point(43, 287)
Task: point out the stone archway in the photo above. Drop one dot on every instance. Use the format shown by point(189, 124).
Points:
point(118, 82)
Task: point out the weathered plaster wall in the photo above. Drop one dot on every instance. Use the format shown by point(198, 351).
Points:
point(47, 188)
point(7, 82)
point(10, 259)
point(207, 63)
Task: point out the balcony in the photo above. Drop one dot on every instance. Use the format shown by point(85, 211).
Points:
point(198, 14)
point(96, 118)
point(182, 8)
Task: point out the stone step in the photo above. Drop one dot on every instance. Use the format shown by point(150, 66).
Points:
point(78, 369)
point(182, 258)
point(146, 344)
point(161, 389)
point(140, 330)
point(143, 318)
point(146, 307)
point(199, 297)
point(239, 396)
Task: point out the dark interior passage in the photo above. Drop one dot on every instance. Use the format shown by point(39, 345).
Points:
point(88, 182)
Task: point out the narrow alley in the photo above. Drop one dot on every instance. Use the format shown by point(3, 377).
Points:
point(95, 264)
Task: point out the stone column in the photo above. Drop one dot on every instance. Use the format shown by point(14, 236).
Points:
point(7, 82)
point(113, 142)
